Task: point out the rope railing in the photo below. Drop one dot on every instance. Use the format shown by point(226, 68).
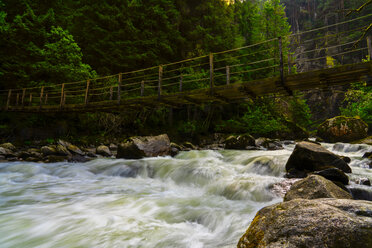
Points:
point(270, 58)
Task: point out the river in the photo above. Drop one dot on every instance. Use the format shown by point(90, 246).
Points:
point(196, 199)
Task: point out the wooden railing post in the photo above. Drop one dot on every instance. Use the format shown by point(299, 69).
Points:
point(211, 72)
point(87, 93)
point(181, 82)
point(17, 99)
point(30, 100)
point(111, 92)
point(46, 98)
point(289, 63)
point(23, 97)
point(142, 88)
point(160, 80)
point(62, 95)
point(8, 100)
point(41, 96)
point(369, 44)
point(119, 87)
point(227, 75)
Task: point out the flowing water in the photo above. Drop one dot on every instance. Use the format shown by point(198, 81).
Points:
point(197, 199)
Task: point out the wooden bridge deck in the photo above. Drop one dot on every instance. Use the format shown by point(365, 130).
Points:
point(233, 92)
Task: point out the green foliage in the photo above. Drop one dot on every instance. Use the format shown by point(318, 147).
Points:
point(300, 112)
point(35, 52)
point(358, 102)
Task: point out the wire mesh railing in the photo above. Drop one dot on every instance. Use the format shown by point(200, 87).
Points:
point(321, 48)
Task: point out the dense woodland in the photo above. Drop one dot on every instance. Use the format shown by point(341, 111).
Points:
point(50, 42)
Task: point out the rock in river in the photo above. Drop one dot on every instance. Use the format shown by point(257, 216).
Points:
point(147, 146)
point(314, 187)
point(240, 142)
point(342, 129)
point(332, 223)
point(311, 157)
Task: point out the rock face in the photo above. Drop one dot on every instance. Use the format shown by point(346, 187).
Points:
point(311, 157)
point(148, 146)
point(240, 142)
point(332, 223)
point(342, 129)
point(314, 187)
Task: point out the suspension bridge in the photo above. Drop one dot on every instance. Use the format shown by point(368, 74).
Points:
point(316, 59)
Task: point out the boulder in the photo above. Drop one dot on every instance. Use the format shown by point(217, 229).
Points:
point(311, 157)
point(313, 187)
point(361, 192)
point(332, 223)
point(9, 146)
point(367, 155)
point(342, 129)
point(62, 151)
point(189, 146)
point(48, 150)
point(334, 175)
point(269, 144)
point(148, 146)
point(104, 151)
point(240, 142)
point(6, 152)
point(71, 148)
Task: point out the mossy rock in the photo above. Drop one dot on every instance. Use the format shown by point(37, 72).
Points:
point(342, 129)
point(326, 222)
point(240, 142)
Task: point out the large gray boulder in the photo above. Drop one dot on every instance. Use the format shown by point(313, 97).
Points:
point(310, 157)
point(314, 187)
point(342, 129)
point(147, 146)
point(332, 223)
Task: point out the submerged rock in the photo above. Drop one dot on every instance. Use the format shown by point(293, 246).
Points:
point(342, 129)
point(147, 146)
point(314, 187)
point(240, 142)
point(332, 223)
point(311, 157)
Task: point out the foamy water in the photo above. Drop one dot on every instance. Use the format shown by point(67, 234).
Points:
point(197, 199)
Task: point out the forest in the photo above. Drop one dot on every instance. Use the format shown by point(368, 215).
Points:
point(50, 42)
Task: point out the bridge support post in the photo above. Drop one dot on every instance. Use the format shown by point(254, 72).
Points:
point(87, 93)
point(41, 96)
point(8, 100)
point(30, 100)
point(17, 99)
point(369, 44)
point(160, 80)
point(111, 92)
point(119, 87)
point(281, 67)
point(289, 64)
point(211, 72)
point(62, 96)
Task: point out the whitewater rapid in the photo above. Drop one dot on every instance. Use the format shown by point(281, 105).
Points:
point(196, 199)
